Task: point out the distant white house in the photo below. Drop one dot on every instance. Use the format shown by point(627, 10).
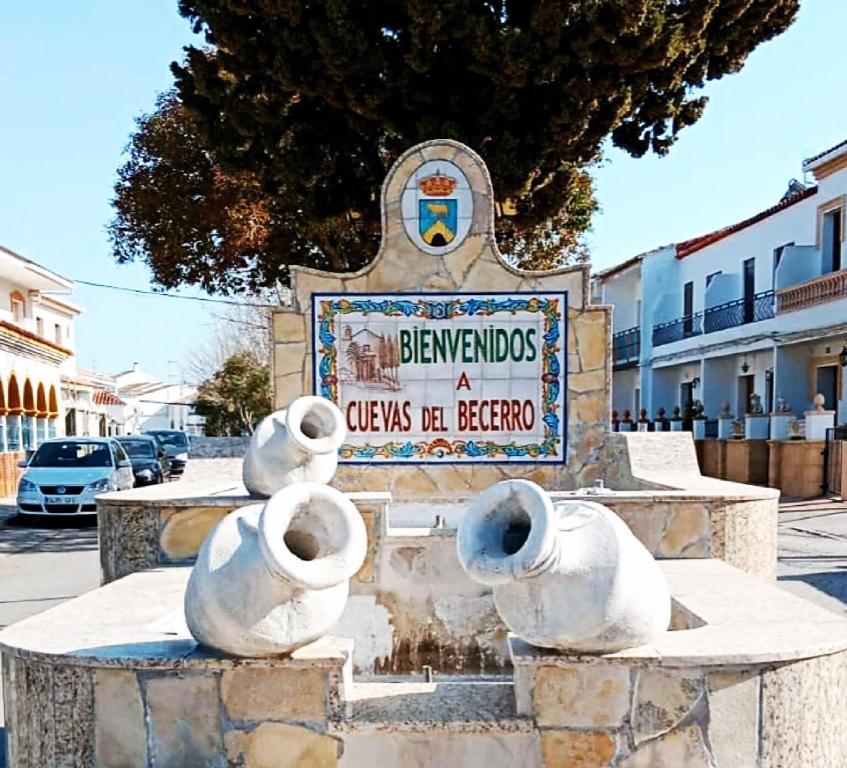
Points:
point(758, 307)
point(91, 404)
point(152, 404)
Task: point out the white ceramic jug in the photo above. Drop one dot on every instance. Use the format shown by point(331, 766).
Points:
point(570, 576)
point(272, 577)
point(296, 444)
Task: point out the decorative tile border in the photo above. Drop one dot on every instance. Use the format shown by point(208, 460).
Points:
point(551, 306)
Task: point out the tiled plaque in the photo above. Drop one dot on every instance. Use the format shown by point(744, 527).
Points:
point(445, 377)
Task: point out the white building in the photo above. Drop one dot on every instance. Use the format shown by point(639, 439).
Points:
point(152, 404)
point(91, 404)
point(757, 307)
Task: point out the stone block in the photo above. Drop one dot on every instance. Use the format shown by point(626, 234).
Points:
point(288, 327)
point(120, 738)
point(413, 481)
point(288, 358)
point(459, 263)
point(592, 339)
point(277, 745)
point(185, 530)
point(287, 388)
point(185, 721)
point(581, 696)
point(307, 283)
point(365, 574)
point(250, 693)
point(662, 699)
point(588, 382)
point(684, 748)
point(687, 533)
point(590, 408)
point(577, 749)
point(441, 748)
point(734, 718)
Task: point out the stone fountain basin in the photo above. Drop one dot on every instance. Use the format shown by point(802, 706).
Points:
point(101, 680)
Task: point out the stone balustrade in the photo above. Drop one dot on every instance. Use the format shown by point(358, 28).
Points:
point(818, 291)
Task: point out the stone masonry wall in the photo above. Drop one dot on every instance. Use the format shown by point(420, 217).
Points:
point(474, 266)
point(564, 714)
point(217, 447)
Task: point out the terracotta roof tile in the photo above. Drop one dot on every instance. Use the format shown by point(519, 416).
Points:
point(687, 247)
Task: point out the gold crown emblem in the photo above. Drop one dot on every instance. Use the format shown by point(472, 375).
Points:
point(438, 185)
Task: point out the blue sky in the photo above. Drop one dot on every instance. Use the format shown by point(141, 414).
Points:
point(74, 75)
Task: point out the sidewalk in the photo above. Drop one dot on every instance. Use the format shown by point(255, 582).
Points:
point(813, 551)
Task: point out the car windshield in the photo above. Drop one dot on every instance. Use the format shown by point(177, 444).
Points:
point(139, 449)
point(70, 453)
point(173, 439)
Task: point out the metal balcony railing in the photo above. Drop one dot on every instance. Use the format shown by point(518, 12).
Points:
point(719, 318)
point(675, 330)
point(739, 312)
point(626, 348)
point(828, 287)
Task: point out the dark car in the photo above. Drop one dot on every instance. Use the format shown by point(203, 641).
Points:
point(150, 462)
point(176, 446)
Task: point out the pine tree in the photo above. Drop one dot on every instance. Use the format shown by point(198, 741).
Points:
point(296, 109)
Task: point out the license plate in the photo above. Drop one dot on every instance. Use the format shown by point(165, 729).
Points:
point(60, 500)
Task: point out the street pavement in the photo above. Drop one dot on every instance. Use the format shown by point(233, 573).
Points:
point(44, 564)
point(813, 551)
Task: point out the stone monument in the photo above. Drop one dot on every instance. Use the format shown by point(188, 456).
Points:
point(452, 371)
point(453, 368)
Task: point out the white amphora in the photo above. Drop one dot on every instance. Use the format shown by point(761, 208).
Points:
point(297, 444)
point(569, 575)
point(275, 576)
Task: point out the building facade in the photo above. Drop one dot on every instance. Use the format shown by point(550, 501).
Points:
point(149, 403)
point(755, 313)
point(36, 349)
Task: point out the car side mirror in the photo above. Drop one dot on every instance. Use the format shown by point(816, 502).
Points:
point(124, 463)
point(23, 463)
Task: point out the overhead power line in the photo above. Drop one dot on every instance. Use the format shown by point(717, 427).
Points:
point(164, 295)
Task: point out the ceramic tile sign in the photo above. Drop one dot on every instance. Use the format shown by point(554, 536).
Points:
point(445, 378)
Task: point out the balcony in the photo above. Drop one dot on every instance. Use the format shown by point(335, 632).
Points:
point(626, 348)
point(718, 318)
point(676, 330)
point(829, 287)
point(739, 312)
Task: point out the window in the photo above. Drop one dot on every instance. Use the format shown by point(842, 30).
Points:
point(687, 308)
point(57, 333)
point(39, 326)
point(831, 254)
point(777, 259)
point(17, 304)
point(749, 289)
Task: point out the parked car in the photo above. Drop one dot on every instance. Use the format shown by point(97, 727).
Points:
point(176, 446)
point(150, 462)
point(65, 474)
